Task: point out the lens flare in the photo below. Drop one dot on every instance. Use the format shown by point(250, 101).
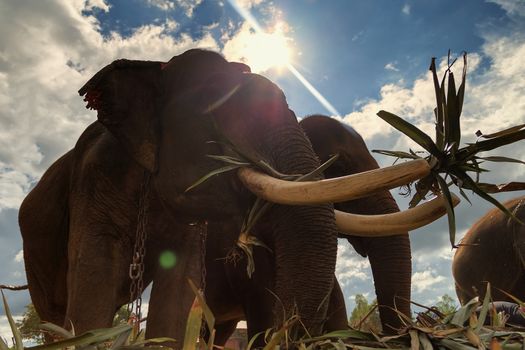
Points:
point(167, 259)
point(271, 50)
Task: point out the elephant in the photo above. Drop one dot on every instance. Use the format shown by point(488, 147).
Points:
point(228, 287)
point(130, 170)
point(492, 250)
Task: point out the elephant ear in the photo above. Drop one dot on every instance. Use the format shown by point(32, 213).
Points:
point(126, 95)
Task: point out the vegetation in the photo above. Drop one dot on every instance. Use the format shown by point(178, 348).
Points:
point(365, 316)
point(441, 326)
point(452, 165)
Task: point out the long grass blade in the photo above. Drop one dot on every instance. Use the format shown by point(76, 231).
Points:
point(53, 328)
point(3, 345)
point(411, 131)
point(193, 326)
point(451, 216)
point(211, 174)
point(397, 154)
point(461, 89)
point(19, 345)
point(90, 337)
point(484, 310)
point(508, 187)
point(501, 159)
point(440, 131)
point(208, 315)
point(496, 142)
point(453, 128)
point(471, 185)
point(502, 132)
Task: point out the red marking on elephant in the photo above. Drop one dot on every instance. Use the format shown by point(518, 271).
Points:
point(93, 99)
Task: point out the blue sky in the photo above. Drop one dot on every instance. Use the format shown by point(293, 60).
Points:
point(362, 56)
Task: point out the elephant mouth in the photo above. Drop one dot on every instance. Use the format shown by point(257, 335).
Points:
point(353, 187)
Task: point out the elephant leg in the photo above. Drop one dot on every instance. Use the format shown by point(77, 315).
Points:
point(254, 294)
point(97, 269)
point(390, 257)
point(171, 296)
point(224, 331)
point(337, 317)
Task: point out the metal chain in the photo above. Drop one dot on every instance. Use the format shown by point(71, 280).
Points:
point(136, 268)
point(204, 235)
point(203, 232)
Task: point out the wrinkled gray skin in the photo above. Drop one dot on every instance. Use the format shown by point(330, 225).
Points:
point(78, 224)
point(231, 293)
point(493, 250)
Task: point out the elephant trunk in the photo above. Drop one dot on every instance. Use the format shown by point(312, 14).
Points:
point(390, 260)
point(305, 241)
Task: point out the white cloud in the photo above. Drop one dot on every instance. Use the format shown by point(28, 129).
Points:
point(248, 4)
point(19, 257)
point(101, 4)
point(406, 9)
point(358, 35)
point(261, 51)
point(424, 280)
point(513, 7)
point(351, 268)
point(391, 66)
point(162, 4)
point(45, 59)
point(188, 6)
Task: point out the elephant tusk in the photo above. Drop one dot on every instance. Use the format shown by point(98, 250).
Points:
point(394, 223)
point(334, 190)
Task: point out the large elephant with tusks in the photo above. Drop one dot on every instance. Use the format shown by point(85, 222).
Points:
point(157, 124)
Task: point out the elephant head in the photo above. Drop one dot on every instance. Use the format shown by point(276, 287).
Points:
point(492, 250)
point(159, 121)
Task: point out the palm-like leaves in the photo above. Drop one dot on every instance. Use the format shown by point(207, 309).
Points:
point(447, 159)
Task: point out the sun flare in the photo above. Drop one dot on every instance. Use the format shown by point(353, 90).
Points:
point(264, 51)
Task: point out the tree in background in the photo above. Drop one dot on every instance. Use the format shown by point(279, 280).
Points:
point(365, 316)
point(446, 305)
point(29, 325)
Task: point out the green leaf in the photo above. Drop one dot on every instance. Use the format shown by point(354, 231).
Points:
point(267, 168)
point(53, 328)
point(121, 340)
point(501, 159)
point(440, 131)
point(228, 160)
point(211, 174)
point(484, 310)
point(3, 345)
point(450, 209)
point(319, 171)
point(193, 326)
point(503, 132)
point(397, 154)
point(508, 187)
point(461, 90)
point(19, 345)
point(411, 131)
point(90, 337)
point(496, 142)
point(452, 125)
point(471, 185)
point(342, 334)
point(463, 314)
point(208, 315)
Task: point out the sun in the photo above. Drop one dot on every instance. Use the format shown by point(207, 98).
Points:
point(264, 51)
